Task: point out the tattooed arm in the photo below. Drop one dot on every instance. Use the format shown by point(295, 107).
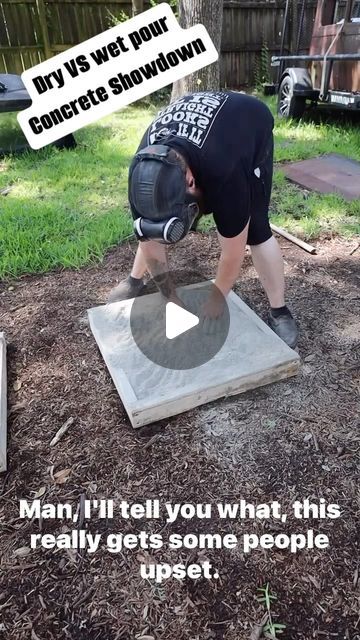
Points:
point(156, 258)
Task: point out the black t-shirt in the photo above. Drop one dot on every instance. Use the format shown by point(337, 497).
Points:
point(223, 136)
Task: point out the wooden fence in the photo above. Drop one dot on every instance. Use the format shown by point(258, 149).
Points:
point(33, 30)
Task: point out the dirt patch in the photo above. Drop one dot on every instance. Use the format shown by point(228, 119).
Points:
point(292, 440)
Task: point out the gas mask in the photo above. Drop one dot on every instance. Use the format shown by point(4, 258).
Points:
point(161, 207)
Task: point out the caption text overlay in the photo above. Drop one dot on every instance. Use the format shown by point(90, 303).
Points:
point(109, 71)
point(166, 514)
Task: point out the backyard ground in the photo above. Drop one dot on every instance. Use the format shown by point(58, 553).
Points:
point(72, 206)
point(292, 440)
point(61, 224)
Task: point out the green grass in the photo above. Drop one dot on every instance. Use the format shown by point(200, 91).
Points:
point(67, 209)
point(308, 213)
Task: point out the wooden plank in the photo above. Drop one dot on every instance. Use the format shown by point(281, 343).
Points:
point(79, 22)
point(32, 58)
point(142, 417)
point(244, 48)
point(22, 48)
point(4, 38)
point(253, 4)
point(94, 21)
point(3, 65)
point(13, 62)
point(68, 25)
point(4, 2)
point(288, 236)
point(54, 24)
point(260, 4)
point(50, 2)
point(9, 17)
point(150, 392)
point(27, 20)
point(120, 3)
point(58, 48)
point(3, 404)
point(44, 27)
point(59, 26)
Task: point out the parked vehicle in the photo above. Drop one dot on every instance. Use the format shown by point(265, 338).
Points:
point(329, 75)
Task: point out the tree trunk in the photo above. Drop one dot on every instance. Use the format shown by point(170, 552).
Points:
point(137, 7)
point(210, 14)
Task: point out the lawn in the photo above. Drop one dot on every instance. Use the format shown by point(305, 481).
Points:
point(67, 208)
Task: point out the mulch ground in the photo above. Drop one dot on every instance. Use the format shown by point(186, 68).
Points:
point(291, 440)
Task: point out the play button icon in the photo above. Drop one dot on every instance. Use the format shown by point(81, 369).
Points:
point(178, 320)
point(178, 334)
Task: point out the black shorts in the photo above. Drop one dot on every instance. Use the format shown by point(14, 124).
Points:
point(261, 185)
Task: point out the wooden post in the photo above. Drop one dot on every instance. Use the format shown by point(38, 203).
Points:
point(44, 28)
point(3, 403)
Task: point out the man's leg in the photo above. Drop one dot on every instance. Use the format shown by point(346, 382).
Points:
point(130, 287)
point(269, 264)
point(139, 267)
point(265, 250)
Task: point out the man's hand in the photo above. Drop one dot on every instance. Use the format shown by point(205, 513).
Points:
point(212, 312)
point(214, 306)
point(155, 256)
point(175, 299)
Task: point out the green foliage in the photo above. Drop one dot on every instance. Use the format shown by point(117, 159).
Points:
point(118, 19)
point(267, 598)
point(262, 67)
point(308, 213)
point(173, 3)
point(66, 208)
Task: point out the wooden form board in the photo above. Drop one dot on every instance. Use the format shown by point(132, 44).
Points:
point(252, 356)
point(3, 403)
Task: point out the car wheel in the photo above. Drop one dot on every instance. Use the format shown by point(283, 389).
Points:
point(289, 105)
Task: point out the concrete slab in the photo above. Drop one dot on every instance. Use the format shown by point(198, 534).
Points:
point(331, 173)
point(252, 356)
point(3, 403)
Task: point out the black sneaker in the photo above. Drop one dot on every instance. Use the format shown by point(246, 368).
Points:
point(126, 289)
point(285, 327)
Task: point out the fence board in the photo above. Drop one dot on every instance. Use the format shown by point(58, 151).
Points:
point(44, 27)
point(30, 19)
point(248, 25)
point(4, 40)
point(56, 32)
point(12, 62)
point(11, 23)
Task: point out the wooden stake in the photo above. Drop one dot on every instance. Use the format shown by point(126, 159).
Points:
point(5, 191)
point(59, 434)
point(300, 243)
